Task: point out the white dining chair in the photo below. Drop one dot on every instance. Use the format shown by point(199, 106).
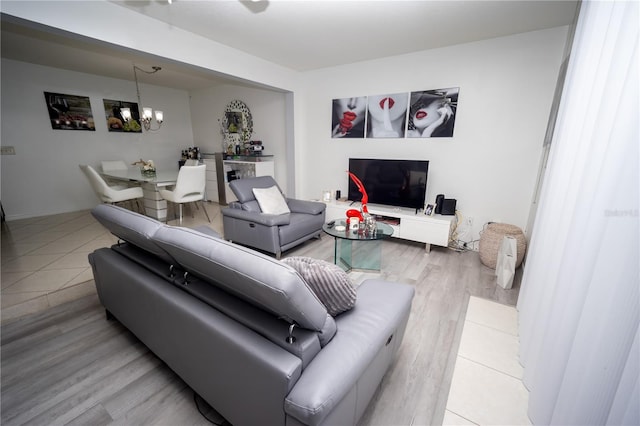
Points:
point(189, 188)
point(109, 194)
point(191, 162)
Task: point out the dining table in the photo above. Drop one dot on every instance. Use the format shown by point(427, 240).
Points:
point(154, 205)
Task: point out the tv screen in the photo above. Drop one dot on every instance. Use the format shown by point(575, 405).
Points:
point(400, 183)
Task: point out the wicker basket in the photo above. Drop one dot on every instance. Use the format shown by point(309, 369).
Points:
point(491, 239)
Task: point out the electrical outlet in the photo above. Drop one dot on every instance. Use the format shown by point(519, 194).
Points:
point(7, 150)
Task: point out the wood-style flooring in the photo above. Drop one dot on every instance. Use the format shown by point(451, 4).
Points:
point(69, 365)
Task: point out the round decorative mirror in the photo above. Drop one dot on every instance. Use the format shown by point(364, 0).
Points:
point(237, 121)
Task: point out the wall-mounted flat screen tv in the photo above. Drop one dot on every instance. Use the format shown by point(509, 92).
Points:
point(400, 183)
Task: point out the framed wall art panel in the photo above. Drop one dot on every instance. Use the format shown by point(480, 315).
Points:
point(115, 120)
point(387, 115)
point(349, 117)
point(69, 112)
point(432, 113)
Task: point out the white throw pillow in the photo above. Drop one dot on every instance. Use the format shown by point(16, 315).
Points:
point(271, 200)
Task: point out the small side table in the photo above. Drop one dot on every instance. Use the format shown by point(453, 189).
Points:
point(350, 250)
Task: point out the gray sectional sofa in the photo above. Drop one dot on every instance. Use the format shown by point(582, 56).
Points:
point(244, 330)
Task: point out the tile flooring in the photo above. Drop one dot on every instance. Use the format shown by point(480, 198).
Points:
point(486, 388)
point(44, 259)
point(44, 263)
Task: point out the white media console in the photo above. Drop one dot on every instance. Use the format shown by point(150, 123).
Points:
point(406, 224)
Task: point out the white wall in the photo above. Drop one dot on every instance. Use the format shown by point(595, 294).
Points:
point(110, 23)
point(506, 87)
point(43, 177)
point(489, 165)
point(268, 112)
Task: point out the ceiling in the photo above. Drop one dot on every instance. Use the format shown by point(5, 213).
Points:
point(301, 35)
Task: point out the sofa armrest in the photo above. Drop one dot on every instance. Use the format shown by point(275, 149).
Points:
point(304, 206)
point(357, 357)
point(261, 218)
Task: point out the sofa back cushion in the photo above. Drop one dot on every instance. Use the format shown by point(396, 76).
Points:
point(259, 279)
point(243, 188)
point(131, 227)
point(251, 206)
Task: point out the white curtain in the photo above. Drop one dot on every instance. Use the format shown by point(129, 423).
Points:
point(580, 299)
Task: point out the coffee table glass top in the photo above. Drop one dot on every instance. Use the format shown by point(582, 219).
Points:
point(354, 250)
point(383, 231)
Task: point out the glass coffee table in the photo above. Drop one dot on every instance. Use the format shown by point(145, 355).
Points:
point(355, 250)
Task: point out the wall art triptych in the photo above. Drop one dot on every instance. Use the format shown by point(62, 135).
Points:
point(423, 114)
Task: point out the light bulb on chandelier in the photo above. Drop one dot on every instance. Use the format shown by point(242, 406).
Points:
point(147, 113)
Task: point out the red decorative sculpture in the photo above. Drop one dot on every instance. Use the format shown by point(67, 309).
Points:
point(365, 197)
point(354, 213)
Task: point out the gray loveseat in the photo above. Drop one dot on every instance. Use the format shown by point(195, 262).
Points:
point(245, 223)
point(244, 330)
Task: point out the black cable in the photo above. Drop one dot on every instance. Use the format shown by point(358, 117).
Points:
point(462, 246)
point(195, 400)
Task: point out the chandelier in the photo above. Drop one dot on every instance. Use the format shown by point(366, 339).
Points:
point(147, 113)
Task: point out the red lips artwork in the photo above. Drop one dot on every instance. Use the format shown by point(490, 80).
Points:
point(421, 114)
point(385, 100)
point(347, 121)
